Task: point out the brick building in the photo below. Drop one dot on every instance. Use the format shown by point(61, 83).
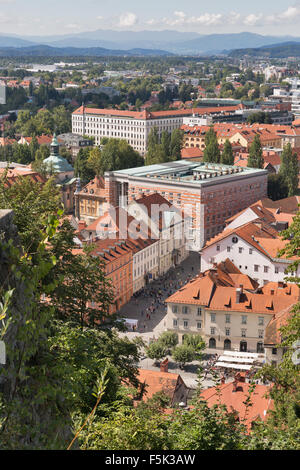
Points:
point(207, 193)
point(117, 257)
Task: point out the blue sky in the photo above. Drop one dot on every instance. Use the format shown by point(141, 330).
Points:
point(45, 17)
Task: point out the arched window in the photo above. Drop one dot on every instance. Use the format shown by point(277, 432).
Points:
point(243, 346)
point(227, 345)
point(212, 343)
point(260, 348)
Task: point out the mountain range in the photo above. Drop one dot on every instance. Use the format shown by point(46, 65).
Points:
point(274, 51)
point(147, 42)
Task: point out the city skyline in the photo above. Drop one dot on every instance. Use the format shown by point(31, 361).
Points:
point(43, 18)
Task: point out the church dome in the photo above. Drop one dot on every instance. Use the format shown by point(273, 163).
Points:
point(55, 163)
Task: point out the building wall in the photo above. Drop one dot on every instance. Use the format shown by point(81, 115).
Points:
point(119, 272)
point(144, 262)
point(253, 263)
point(198, 320)
point(135, 131)
point(208, 206)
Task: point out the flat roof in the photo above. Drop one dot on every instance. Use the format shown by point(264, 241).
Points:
point(188, 172)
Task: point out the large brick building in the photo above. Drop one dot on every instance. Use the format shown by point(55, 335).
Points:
point(207, 193)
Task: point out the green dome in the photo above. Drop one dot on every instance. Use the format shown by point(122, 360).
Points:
point(55, 162)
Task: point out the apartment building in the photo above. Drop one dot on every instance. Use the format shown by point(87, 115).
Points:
point(228, 309)
point(118, 224)
point(134, 126)
point(166, 225)
point(117, 258)
point(206, 193)
point(252, 242)
point(90, 201)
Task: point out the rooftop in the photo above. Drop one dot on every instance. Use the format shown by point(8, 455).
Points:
point(184, 171)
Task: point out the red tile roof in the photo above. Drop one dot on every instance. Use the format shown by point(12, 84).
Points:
point(235, 401)
point(157, 381)
point(217, 290)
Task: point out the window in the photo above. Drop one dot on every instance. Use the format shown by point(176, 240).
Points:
point(213, 318)
point(175, 323)
point(218, 247)
point(240, 250)
point(199, 325)
point(174, 308)
point(185, 309)
point(250, 251)
point(244, 319)
point(256, 268)
point(274, 351)
point(261, 320)
point(212, 331)
point(227, 318)
point(227, 331)
point(243, 333)
point(185, 324)
point(266, 269)
point(276, 270)
point(228, 249)
point(260, 333)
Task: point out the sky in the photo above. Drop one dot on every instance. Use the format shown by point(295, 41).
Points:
point(52, 17)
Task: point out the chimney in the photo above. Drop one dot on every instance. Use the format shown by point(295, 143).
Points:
point(238, 295)
point(164, 365)
point(81, 225)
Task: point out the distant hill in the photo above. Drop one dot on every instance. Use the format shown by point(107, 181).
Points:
point(167, 40)
point(273, 51)
point(48, 51)
point(7, 41)
point(216, 43)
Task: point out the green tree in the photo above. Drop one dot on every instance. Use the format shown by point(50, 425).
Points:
point(176, 144)
point(166, 143)
point(157, 351)
point(255, 159)
point(277, 187)
point(289, 169)
point(195, 341)
point(81, 166)
point(183, 354)
point(94, 161)
point(211, 151)
point(227, 157)
point(169, 339)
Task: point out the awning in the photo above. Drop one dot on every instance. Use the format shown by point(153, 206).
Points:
point(240, 360)
point(240, 354)
point(228, 365)
point(131, 322)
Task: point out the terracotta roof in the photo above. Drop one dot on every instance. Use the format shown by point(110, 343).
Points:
point(157, 381)
point(253, 233)
point(95, 187)
point(289, 205)
point(154, 114)
point(235, 400)
point(216, 289)
point(193, 152)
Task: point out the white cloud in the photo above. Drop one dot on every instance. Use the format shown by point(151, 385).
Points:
point(100, 17)
point(252, 19)
point(72, 26)
point(128, 19)
point(182, 19)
